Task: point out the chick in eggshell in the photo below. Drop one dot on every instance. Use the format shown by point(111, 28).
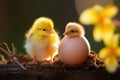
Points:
point(74, 48)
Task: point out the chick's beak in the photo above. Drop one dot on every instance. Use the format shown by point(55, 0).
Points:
point(51, 32)
point(65, 33)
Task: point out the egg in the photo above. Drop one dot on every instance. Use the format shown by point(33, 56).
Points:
point(75, 49)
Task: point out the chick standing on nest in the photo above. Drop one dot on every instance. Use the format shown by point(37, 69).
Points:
point(74, 47)
point(42, 40)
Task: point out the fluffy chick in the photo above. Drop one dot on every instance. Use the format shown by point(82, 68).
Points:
point(42, 40)
point(74, 29)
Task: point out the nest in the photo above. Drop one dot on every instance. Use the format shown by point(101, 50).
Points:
point(19, 66)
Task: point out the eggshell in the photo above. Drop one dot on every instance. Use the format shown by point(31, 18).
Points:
point(74, 50)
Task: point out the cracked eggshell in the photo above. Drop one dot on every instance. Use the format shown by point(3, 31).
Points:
point(74, 50)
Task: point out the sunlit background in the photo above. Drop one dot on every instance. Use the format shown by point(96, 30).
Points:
point(17, 16)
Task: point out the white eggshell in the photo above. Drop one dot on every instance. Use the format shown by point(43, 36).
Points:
point(74, 50)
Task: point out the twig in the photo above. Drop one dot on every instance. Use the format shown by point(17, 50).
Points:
point(4, 43)
point(12, 56)
point(14, 49)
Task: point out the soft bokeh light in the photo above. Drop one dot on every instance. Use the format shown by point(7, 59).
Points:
point(83, 4)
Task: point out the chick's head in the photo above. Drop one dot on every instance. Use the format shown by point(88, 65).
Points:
point(43, 27)
point(74, 30)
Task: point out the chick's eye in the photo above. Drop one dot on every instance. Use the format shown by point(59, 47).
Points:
point(41, 29)
point(73, 31)
point(44, 29)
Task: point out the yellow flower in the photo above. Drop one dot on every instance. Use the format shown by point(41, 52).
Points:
point(110, 54)
point(101, 18)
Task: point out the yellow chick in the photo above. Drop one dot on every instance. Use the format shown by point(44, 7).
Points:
point(74, 30)
point(42, 40)
point(74, 47)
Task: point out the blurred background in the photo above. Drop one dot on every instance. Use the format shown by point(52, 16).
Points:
point(17, 16)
